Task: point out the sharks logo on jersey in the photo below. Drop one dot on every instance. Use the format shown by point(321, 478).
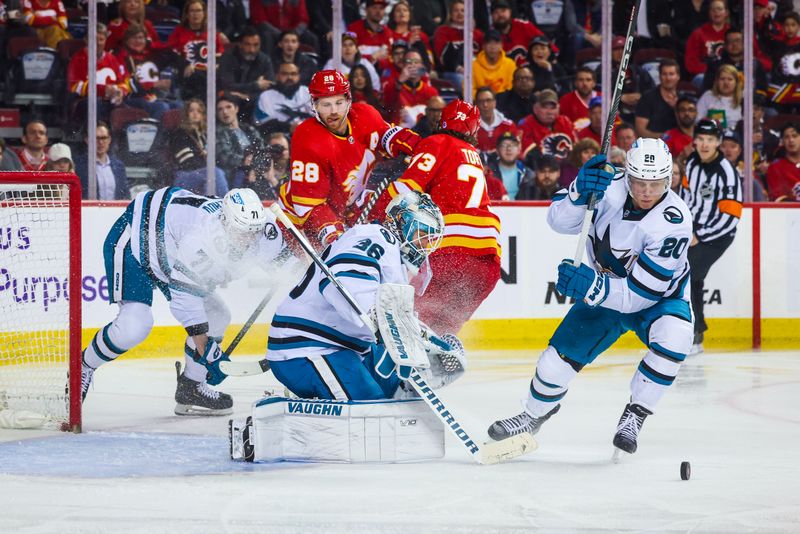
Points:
point(673, 215)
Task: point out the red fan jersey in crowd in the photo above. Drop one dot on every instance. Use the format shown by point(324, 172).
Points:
point(516, 41)
point(191, 45)
point(705, 41)
point(676, 141)
point(28, 164)
point(466, 266)
point(110, 71)
point(488, 133)
point(397, 96)
point(284, 14)
point(329, 173)
point(369, 42)
point(116, 32)
point(40, 14)
point(783, 180)
point(555, 140)
point(572, 106)
point(448, 44)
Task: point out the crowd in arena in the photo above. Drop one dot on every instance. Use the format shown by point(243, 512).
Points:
point(535, 79)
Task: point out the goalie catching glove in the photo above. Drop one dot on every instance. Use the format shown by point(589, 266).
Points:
point(398, 330)
point(447, 356)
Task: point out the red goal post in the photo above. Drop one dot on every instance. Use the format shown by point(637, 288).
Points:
point(40, 300)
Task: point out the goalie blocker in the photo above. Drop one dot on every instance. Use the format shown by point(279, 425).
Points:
point(303, 430)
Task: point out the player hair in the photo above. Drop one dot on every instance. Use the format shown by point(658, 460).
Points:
point(458, 135)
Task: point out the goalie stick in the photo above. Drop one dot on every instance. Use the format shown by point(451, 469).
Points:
point(612, 114)
point(486, 453)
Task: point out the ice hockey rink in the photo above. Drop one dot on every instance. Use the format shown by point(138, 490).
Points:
point(138, 468)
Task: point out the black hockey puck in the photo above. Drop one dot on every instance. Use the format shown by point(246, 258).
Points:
point(686, 470)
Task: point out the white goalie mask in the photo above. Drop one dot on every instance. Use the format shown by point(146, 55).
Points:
point(648, 160)
point(243, 217)
point(417, 222)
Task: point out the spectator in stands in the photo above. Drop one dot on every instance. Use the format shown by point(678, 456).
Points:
point(374, 39)
point(784, 87)
point(655, 112)
point(783, 175)
point(624, 135)
point(706, 40)
point(234, 137)
point(351, 56)
point(148, 70)
point(430, 14)
point(687, 16)
point(516, 102)
point(516, 34)
point(546, 73)
point(582, 151)
point(286, 104)
point(679, 139)
point(406, 98)
point(546, 130)
point(653, 28)
point(231, 18)
point(677, 175)
point(33, 154)
point(391, 66)
point(448, 45)
point(9, 161)
point(723, 102)
point(506, 166)
point(594, 130)
point(131, 12)
point(113, 82)
point(401, 22)
point(575, 104)
point(492, 68)
point(321, 23)
point(272, 17)
point(731, 148)
point(732, 53)
point(545, 183)
point(188, 40)
point(637, 80)
point(288, 51)
point(245, 71)
point(429, 123)
point(112, 178)
point(278, 150)
point(361, 88)
point(257, 172)
point(59, 159)
point(493, 123)
point(188, 146)
point(48, 18)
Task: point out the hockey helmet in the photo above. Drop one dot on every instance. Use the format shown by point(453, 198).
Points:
point(462, 117)
point(650, 160)
point(329, 83)
point(418, 223)
point(243, 216)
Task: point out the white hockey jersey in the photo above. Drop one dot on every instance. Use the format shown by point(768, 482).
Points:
point(315, 319)
point(179, 240)
point(644, 252)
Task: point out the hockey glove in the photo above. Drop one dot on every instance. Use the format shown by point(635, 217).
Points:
point(582, 282)
point(594, 177)
point(212, 356)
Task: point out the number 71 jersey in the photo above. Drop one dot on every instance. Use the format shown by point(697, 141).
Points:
point(451, 172)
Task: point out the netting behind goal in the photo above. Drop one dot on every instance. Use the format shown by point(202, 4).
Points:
point(40, 318)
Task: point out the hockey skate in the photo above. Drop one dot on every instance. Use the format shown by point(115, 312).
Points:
point(197, 398)
point(87, 373)
point(697, 344)
point(524, 422)
point(629, 426)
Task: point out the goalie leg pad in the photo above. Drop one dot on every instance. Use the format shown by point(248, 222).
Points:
point(301, 430)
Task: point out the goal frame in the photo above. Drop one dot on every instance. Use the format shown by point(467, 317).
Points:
point(75, 323)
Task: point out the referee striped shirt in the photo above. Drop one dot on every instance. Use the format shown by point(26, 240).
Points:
point(713, 192)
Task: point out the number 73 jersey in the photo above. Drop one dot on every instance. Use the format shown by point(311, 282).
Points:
point(451, 172)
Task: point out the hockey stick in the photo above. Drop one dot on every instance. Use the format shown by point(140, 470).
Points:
point(612, 115)
point(362, 217)
point(488, 453)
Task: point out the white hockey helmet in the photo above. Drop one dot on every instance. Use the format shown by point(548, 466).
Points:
point(650, 160)
point(243, 214)
point(417, 222)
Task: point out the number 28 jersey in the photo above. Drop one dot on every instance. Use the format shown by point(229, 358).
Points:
point(451, 172)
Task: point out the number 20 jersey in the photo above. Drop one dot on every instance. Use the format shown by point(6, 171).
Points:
point(644, 252)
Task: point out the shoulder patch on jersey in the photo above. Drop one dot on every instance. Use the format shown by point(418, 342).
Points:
point(673, 215)
point(270, 231)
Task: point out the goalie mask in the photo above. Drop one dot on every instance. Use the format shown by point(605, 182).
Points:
point(243, 217)
point(648, 160)
point(418, 223)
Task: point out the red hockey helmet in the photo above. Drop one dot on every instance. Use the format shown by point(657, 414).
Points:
point(328, 83)
point(461, 117)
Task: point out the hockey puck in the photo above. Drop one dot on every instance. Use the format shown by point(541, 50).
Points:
point(686, 470)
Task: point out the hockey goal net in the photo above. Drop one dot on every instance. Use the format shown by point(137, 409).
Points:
point(40, 300)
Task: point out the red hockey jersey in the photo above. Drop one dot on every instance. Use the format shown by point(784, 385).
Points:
point(329, 173)
point(451, 172)
point(191, 45)
point(516, 41)
point(369, 42)
point(109, 72)
point(783, 180)
point(555, 140)
point(575, 109)
point(40, 13)
point(116, 32)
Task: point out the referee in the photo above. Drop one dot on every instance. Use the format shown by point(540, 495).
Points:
point(713, 191)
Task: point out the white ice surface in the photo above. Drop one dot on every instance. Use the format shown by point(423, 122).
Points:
point(138, 468)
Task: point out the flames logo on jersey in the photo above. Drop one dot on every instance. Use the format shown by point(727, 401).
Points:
point(196, 52)
point(147, 72)
point(557, 145)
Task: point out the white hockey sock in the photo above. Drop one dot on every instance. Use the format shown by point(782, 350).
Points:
point(549, 383)
point(131, 326)
point(654, 375)
point(102, 349)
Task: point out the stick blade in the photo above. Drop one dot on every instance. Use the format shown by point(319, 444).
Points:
point(244, 368)
point(493, 452)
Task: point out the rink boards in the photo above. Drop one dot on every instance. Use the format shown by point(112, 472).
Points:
point(524, 308)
